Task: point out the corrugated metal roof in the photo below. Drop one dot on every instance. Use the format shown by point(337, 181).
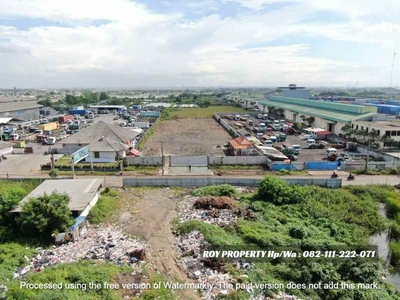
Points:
point(100, 129)
point(21, 105)
point(327, 114)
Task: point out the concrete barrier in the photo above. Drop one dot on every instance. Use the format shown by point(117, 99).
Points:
point(205, 181)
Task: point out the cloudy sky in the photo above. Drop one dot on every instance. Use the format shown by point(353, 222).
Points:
point(160, 43)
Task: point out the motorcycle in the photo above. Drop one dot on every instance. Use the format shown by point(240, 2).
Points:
point(334, 175)
point(350, 178)
point(3, 157)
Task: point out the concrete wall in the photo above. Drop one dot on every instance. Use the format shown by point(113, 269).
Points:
point(238, 160)
point(205, 181)
point(144, 161)
point(26, 115)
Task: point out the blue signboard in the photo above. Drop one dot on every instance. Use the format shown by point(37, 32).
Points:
point(80, 154)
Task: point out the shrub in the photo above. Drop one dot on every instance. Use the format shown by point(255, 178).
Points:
point(54, 173)
point(46, 214)
point(216, 190)
point(395, 254)
point(279, 192)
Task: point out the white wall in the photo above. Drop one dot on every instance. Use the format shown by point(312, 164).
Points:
point(105, 157)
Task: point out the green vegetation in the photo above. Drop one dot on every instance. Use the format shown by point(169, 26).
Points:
point(74, 273)
point(391, 171)
point(215, 190)
point(46, 215)
point(11, 257)
point(104, 207)
point(208, 112)
point(54, 173)
point(309, 216)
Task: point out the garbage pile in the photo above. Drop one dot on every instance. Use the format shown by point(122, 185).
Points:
point(189, 246)
point(220, 217)
point(100, 243)
point(210, 202)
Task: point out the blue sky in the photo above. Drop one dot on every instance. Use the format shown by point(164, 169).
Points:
point(121, 43)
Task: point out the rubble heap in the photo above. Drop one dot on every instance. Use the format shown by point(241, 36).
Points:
point(220, 217)
point(209, 202)
point(99, 243)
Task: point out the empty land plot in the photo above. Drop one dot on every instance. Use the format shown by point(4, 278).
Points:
point(187, 137)
point(207, 112)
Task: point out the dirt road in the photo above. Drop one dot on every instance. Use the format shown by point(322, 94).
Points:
point(150, 218)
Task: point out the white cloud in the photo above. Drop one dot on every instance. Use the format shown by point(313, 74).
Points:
point(139, 47)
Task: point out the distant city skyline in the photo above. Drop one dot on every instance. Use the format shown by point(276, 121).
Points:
point(194, 44)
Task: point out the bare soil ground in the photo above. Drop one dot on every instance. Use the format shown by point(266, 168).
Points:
point(187, 137)
point(147, 213)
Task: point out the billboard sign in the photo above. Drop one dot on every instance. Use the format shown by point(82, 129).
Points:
point(80, 154)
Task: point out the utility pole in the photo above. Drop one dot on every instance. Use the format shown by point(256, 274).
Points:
point(162, 157)
point(367, 161)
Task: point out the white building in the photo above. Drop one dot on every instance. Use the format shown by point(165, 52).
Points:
point(106, 142)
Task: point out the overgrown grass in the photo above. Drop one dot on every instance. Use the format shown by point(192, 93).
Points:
point(83, 272)
point(391, 171)
point(12, 256)
point(212, 233)
point(309, 216)
point(215, 190)
point(143, 170)
point(105, 207)
point(208, 112)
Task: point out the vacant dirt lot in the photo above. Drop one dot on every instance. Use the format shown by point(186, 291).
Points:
point(148, 213)
point(187, 137)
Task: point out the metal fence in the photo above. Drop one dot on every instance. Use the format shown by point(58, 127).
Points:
point(321, 165)
point(192, 160)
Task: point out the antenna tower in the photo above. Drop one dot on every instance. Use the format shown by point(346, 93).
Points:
point(391, 72)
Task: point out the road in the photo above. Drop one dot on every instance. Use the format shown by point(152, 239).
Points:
point(116, 181)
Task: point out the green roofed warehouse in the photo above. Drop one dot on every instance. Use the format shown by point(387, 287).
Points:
point(328, 115)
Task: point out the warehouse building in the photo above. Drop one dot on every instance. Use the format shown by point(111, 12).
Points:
point(83, 194)
point(21, 110)
point(328, 115)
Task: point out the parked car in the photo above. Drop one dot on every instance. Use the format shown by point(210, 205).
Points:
point(311, 144)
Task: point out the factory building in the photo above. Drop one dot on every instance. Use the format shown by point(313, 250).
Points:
point(328, 115)
point(21, 110)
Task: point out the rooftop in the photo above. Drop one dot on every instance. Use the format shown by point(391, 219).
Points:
point(240, 143)
point(107, 146)
point(100, 130)
point(80, 191)
point(337, 112)
point(21, 105)
point(17, 98)
point(394, 123)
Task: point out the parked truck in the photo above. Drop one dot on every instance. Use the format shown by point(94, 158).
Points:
point(80, 112)
point(64, 119)
point(49, 126)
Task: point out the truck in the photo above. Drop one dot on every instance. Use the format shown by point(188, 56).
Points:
point(49, 126)
point(80, 112)
point(141, 124)
point(64, 119)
